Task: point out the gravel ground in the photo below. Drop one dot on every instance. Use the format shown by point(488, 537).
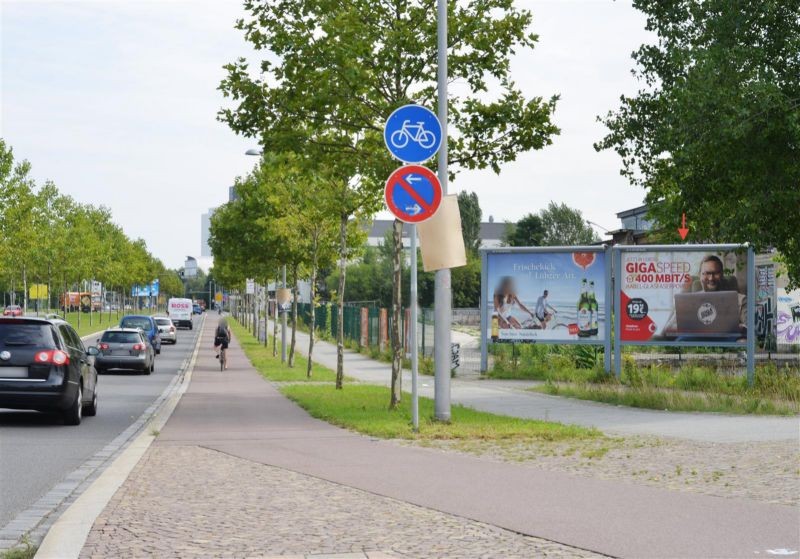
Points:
point(764, 471)
point(187, 501)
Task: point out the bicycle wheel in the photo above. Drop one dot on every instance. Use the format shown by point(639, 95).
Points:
point(426, 139)
point(399, 139)
point(221, 359)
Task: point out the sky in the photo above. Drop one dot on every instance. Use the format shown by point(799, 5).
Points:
point(115, 101)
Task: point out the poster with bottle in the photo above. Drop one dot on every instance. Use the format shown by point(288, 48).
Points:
point(546, 296)
point(683, 296)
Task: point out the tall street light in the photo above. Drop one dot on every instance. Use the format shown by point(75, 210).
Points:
point(259, 152)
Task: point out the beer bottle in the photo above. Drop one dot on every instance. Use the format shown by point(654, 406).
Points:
point(594, 308)
point(584, 312)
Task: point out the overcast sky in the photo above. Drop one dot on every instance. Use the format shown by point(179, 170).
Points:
point(116, 101)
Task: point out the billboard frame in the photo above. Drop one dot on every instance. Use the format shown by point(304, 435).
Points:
point(485, 310)
point(749, 345)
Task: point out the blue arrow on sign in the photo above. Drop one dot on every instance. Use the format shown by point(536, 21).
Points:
point(413, 134)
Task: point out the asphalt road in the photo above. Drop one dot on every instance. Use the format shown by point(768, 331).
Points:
point(37, 451)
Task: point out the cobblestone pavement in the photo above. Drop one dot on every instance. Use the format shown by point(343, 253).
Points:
point(188, 501)
point(762, 471)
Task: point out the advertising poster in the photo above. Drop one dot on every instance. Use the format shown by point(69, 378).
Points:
point(788, 323)
point(553, 296)
point(765, 306)
point(683, 296)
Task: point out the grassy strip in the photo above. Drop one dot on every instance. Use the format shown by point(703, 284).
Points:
point(364, 408)
point(659, 398)
point(271, 367)
point(26, 552)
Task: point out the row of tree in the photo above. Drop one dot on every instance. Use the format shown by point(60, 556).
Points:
point(332, 72)
point(49, 238)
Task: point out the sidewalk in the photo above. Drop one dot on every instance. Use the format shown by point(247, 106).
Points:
point(509, 397)
point(240, 471)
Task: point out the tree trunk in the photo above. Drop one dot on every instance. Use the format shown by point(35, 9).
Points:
point(275, 322)
point(313, 321)
point(340, 310)
point(25, 290)
point(397, 350)
point(294, 316)
point(266, 311)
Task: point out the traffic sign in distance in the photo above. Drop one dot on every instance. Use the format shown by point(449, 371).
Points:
point(413, 193)
point(412, 134)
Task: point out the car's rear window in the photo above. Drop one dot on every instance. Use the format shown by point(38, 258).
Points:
point(163, 321)
point(142, 323)
point(17, 335)
point(121, 337)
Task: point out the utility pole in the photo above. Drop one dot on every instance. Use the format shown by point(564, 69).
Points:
point(442, 289)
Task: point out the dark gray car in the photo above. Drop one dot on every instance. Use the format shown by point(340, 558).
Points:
point(125, 348)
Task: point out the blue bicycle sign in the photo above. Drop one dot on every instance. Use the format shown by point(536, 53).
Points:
point(412, 134)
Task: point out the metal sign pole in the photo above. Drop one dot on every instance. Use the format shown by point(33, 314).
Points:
point(413, 330)
point(751, 316)
point(283, 323)
point(442, 290)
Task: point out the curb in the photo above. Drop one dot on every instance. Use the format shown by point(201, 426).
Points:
point(67, 535)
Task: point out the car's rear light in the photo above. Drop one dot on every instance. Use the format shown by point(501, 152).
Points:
point(171, 328)
point(104, 346)
point(138, 347)
point(53, 356)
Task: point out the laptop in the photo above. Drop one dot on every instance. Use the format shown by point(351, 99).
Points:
point(707, 314)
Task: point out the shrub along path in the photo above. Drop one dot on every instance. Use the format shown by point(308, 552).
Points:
point(512, 398)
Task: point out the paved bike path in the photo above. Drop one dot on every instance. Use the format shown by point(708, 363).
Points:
point(510, 398)
point(239, 413)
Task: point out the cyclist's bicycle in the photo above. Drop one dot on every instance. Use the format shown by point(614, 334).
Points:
point(222, 358)
point(414, 132)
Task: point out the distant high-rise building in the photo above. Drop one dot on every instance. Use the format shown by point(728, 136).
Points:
point(205, 225)
point(232, 196)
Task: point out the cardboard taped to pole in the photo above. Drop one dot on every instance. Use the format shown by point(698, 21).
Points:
point(284, 296)
point(440, 237)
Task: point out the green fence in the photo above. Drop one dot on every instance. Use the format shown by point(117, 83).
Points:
point(327, 319)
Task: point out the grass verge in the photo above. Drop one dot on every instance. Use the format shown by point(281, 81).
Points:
point(364, 408)
point(657, 398)
point(271, 367)
point(26, 550)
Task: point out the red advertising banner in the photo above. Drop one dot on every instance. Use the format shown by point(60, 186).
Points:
point(683, 296)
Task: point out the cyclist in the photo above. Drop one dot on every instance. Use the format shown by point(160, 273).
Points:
point(222, 338)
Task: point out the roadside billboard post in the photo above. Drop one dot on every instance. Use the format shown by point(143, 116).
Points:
point(685, 296)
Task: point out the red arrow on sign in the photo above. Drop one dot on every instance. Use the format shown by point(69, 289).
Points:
point(683, 230)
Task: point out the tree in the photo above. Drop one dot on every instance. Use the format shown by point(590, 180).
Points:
point(471, 215)
point(565, 226)
point(342, 68)
point(528, 232)
point(715, 130)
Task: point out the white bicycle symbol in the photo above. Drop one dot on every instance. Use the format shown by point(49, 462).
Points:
point(425, 138)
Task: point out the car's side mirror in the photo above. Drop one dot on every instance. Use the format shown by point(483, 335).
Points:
point(93, 351)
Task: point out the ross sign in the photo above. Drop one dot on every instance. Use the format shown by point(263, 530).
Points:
point(679, 295)
point(556, 296)
point(412, 134)
point(413, 193)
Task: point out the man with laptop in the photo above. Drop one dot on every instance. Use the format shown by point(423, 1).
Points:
point(712, 311)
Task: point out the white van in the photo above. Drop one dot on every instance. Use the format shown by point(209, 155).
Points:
point(180, 311)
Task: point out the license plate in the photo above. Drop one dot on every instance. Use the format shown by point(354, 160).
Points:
point(13, 372)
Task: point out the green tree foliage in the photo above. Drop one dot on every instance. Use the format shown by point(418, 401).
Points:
point(527, 232)
point(46, 237)
point(715, 130)
point(565, 226)
point(471, 214)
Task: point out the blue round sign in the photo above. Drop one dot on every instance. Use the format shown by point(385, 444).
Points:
point(412, 134)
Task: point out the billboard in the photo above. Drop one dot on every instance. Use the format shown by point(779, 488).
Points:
point(146, 290)
point(683, 296)
point(552, 296)
point(788, 322)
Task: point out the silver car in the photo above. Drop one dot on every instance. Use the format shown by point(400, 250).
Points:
point(125, 348)
point(167, 329)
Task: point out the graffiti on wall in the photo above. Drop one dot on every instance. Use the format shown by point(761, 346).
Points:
point(766, 308)
point(788, 319)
